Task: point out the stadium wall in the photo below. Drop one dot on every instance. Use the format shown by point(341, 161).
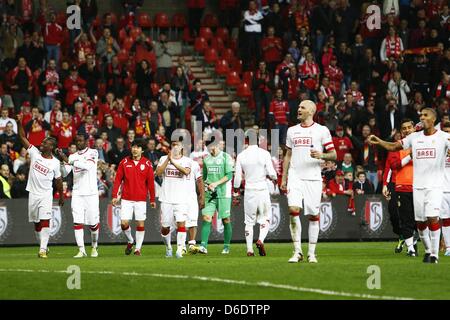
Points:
point(336, 223)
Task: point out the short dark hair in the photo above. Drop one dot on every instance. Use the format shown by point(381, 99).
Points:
point(138, 143)
point(446, 124)
point(405, 120)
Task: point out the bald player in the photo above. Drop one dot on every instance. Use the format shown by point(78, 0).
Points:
point(308, 143)
point(429, 151)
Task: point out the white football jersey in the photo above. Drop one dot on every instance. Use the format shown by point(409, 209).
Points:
point(175, 185)
point(447, 174)
point(84, 172)
point(255, 163)
point(42, 173)
point(429, 154)
point(196, 173)
point(301, 140)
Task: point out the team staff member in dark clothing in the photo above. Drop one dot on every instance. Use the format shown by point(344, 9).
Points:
point(402, 164)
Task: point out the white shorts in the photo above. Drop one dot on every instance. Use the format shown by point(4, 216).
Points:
point(39, 207)
point(427, 203)
point(445, 206)
point(172, 213)
point(192, 213)
point(139, 208)
point(85, 210)
point(305, 194)
point(257, 206)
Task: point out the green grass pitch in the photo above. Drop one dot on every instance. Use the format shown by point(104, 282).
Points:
point(342, 273)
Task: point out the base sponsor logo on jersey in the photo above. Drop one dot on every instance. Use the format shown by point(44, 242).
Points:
point(3, 220)
point(374, 215)
point(114, 220)
point(302, 141)
point(55, 221)
point(426, 153)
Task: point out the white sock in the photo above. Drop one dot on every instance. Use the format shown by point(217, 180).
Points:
point(94, 238)
point(435, 238)
point(425, 238)
point(249, 237)
point(446, 236)
point(167, 240)
point(410, 244)
point(45, 235)
point(192, 242)
point(296, 232)
point(263, 231)
point(181, 239)
point(313, 236)
point(139, 239)
point(79, 237)
point(38, 236)
point(128, 235)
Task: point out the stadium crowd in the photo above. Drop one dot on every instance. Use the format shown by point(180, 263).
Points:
point(110, 81)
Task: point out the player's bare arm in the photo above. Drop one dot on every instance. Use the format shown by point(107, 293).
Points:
point(286, 163)
point(183, 170)
point(160, 169)
point(59, 188)
point(212, 186)
point(21, 131)
point(62, 155)
point(201, 192)
point(389, 146)
point(330, 155)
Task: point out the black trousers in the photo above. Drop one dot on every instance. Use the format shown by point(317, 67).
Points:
point(406, 214)
point(393, 210)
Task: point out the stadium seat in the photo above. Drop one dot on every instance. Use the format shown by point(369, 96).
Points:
point(227, 54)
point(217, 43)
point(187, 38)
point(144, 21)
point(123, 56)
point(247, 77)
point(211, 55)
point(200, 44)
point(243, 91)
point(223, 34)
point(210, 20)
point(162, 21)
point(179, 22)
point(206, 33)
point(222, 67)
point(233, 79)
point(237, 65)
point(128, 43)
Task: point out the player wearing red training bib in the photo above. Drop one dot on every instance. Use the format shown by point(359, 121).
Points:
point(302, 177)
point(430, 148)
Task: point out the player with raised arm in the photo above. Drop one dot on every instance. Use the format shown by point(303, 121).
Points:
point(217, 175)
point(308, 143)
point(445, 208)
point(44, 167)
point(135, 175)
point(85, 200)
point(196, 202)
point(429, 151)
point(174, 169)
point(255, 164)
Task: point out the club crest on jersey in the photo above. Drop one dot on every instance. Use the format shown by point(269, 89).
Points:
point(56, 221)
point(426, 153)
point(302, 141)
point(374, 215)
point(142, 167)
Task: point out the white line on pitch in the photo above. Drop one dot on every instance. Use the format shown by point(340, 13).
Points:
point(229, 281)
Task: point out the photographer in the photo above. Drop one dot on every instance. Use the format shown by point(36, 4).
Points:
point(164, 53)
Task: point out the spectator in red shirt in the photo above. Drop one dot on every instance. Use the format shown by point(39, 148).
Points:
point(121, 116)
point(272, 49)
point(336, 76)
point(37, 127)
point(73, 85)
point(339, 186)
point(65, 131)
point(342, 143)
point(53, 38)
point(279, 112)
point(261, 91)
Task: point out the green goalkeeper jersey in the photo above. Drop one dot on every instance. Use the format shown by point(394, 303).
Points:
point(214, 169)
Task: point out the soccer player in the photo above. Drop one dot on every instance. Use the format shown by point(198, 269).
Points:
point(44, 167)
point(196, 201)
point(429, 152)
point(135, 174)
point(85, 200)
point(302, 177)
point(255, 164)
point(174, 169)
point(445, 210)
point(217, 175)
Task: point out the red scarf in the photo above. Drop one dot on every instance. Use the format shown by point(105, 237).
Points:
point(439, 90)
point(393, 48)
point(310, 69)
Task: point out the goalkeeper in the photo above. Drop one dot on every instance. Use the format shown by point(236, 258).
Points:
point(217, 175)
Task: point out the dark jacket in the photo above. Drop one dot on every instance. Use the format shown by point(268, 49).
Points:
point(227, 122)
